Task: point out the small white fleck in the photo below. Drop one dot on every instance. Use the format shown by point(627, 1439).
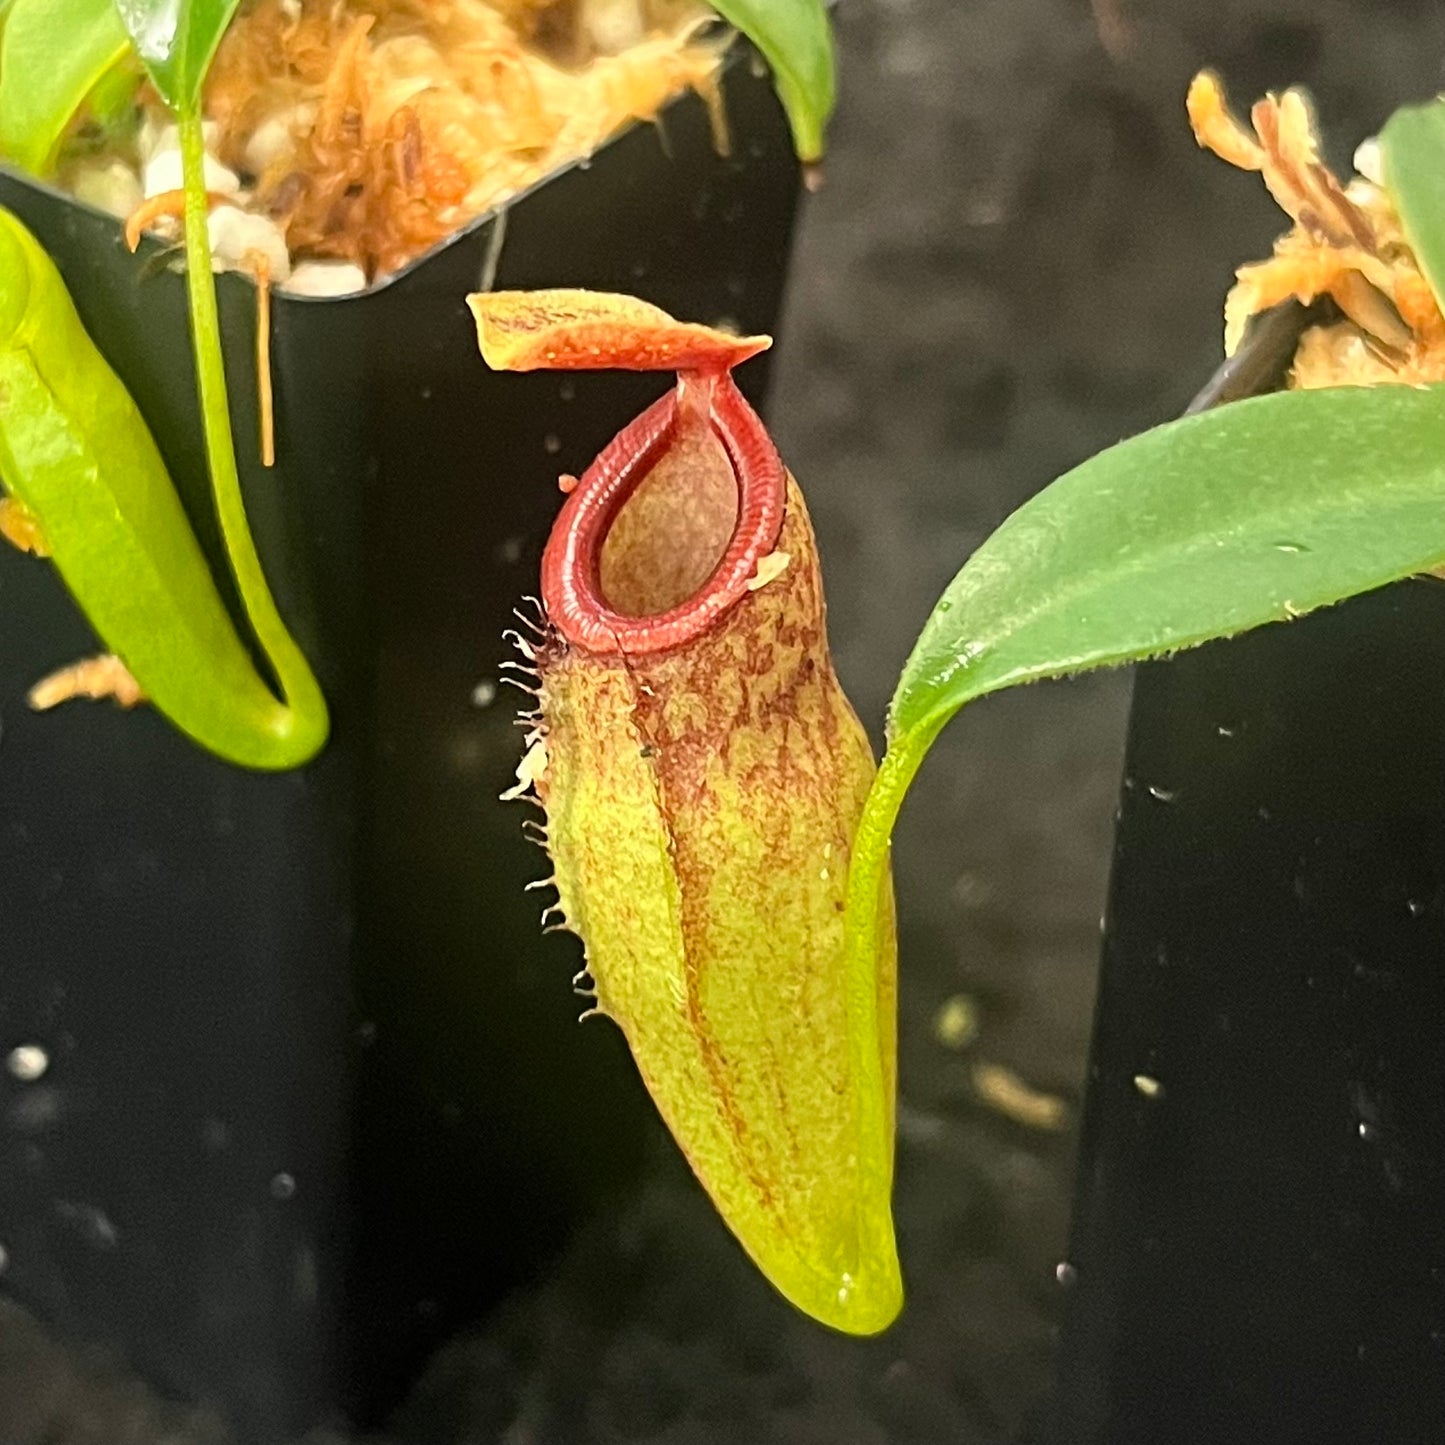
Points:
point(1065, 1273)
point(326, 278)
point(238, 237)
point(283, 1186)
point(1369, 162)
point(27, 1062)
point(484, 694)
point(957, 1023)
point(612, 29)
point(162, 169)
point(1151, 1088)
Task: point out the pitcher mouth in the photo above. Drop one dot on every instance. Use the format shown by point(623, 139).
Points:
point(572, 590)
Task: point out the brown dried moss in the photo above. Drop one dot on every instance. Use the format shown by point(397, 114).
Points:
point(372, 129)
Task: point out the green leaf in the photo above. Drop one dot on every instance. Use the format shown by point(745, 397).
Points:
point(796, 39)
point(53, 53)
point(305, 710)
point(75, 451)
point(176, 41)
point(1412, 148)
point(1253, 513)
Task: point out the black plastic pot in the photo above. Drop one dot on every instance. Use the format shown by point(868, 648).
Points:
point(315, 1090)
point(1258, 1249)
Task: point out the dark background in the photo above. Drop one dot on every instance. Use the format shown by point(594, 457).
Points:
point(1019, 256)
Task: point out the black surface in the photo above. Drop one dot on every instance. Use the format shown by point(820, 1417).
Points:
point(1259, 1243)
point(215, 961)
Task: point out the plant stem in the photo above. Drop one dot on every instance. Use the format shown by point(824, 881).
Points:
point(302, 721)
point(867, 874)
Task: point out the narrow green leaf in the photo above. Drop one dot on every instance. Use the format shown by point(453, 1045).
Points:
point(1412, 147)
point(796, 39)
point(77, 453)
point(306, 707)
point(1253, 513)
point(53, 53)
point(176, 41)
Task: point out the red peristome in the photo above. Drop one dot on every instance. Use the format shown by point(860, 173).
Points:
point(571, 564)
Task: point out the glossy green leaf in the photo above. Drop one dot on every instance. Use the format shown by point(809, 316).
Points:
point(176, 41)
point(76, 451)
point(1253, 513)
point(53, 54)
point(1412, 148)
point(1212, 524)
point(796, 39)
